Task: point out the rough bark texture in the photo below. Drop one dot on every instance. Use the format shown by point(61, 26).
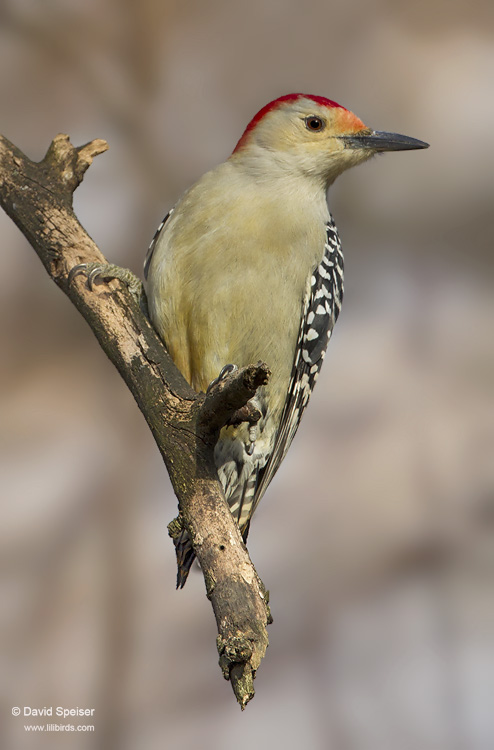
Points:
point(185, 425)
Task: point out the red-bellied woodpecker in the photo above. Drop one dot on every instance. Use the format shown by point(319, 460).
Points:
point(248, 266)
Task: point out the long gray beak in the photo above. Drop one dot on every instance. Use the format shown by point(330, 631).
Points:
point(379, 141)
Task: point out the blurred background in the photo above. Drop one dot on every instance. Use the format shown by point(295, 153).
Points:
point(381, 572)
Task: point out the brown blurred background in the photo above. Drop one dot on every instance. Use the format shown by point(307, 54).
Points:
point(381, 573)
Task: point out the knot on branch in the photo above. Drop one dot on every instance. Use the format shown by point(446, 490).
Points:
point(175, 528)
point(248, 413)
point(233, 650)
point(256, 375)
point(235, 655)
point(65, 165)
point(228, 400)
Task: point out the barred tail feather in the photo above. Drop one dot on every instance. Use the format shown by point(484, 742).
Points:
point(185, 557)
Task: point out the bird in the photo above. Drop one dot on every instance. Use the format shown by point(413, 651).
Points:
point(248, 266)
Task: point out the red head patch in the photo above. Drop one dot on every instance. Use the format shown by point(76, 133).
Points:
point(321, 100)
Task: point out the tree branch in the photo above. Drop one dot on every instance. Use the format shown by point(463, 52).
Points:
point(185, 424)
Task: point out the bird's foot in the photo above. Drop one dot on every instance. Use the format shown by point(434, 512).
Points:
point(110, 271)
point(225, 371)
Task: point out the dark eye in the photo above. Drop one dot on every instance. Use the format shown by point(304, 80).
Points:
point(314, 123)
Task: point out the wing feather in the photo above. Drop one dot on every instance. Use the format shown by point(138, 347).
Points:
point(150, 252)
point(320, 310)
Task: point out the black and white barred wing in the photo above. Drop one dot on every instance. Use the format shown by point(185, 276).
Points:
point(150, 252)
point(319, 315)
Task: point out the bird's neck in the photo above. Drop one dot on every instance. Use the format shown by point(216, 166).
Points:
point(276, 173)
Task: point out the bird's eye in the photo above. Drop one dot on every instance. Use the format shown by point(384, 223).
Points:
point(314, 123)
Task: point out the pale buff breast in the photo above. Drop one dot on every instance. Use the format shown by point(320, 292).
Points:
point(228, 279)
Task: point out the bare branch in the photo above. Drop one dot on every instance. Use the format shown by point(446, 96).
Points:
point(228, 400)
point(38, 197)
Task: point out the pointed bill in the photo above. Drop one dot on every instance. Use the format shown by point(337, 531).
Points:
point(377, 140)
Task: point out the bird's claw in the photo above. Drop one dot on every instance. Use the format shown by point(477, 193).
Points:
point(76, 271)
point(110, 271)
point(92, 271)
point(225, 371)
point(92, 274)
